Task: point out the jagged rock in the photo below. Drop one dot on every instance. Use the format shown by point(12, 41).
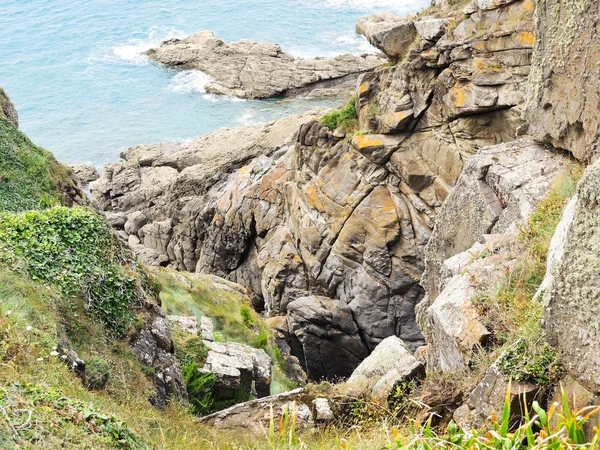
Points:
point(388, 32)
point(187, 324)
point(153, 347)
point(249, 69)
point(489, 396)
point(389, 364)
point(498, 188)
point(570, 295)
point(7, 109)
point(238, 366)
point(253, 417)
point(431, 29)
point(492, 4)
point(207, 329)
point(323, 412)
point(135, 221)
point(85, 173)
point(326, 337)
point(564, 90)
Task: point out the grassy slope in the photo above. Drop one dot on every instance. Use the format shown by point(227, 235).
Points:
point(30, 177)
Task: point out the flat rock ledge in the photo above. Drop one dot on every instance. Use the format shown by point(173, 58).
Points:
point(255, 70)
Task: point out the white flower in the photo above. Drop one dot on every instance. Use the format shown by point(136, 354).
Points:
point(39, 359)
point(64, 356)
point(28, 328)
point(54, 353)
point(7, 313)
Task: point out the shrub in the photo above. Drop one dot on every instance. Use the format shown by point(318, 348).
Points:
point(246, 314)
point(200, 389)
point(346, 117)
point(74, 249)
point(531, 361)
point(96, 373)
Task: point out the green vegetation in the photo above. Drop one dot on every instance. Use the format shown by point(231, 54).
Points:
point(74, 249)
point(96, 373)
point(346, 117)
point(234, 321)
point(200, 389)
point(30, 177)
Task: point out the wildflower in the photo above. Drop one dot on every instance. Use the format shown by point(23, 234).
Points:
point(39, 359)
point(28, 328)
point(7, 313)
point(54, 353)
point(64, 356)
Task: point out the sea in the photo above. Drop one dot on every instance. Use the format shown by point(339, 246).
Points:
point(76, 72)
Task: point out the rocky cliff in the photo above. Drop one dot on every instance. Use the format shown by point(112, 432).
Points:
point(327, 227)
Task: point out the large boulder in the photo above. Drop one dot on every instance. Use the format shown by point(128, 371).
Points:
point(249, 69)
point(390, 33)
point(564, 90)
point(325, 335)
point(570, 294)
point(238, 367)
point(390, 363)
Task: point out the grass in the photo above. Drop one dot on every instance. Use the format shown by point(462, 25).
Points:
point(233, 319)
point(30, 177)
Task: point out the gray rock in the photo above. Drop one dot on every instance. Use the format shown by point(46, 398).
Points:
point(85, 173)
point(323, 412)
point(390, 33)
point(189, 324)
point(325, 335)
point(238, 366)
point(161, 331)
point(135, 221)
point(258, 70)
point(207, 329)
point(570, 295)
point(431, 29)
point(564, 92)
point(390, 363)
point(493, 4)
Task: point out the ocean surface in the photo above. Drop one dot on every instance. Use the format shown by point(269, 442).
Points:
point(83, 90)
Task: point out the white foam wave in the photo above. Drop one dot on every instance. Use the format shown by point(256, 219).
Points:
point(133, 50)
point(371, 5)
point(189, 81)
point(249, 117)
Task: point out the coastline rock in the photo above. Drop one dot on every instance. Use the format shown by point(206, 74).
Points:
point(7, 109)
point(254, 70)
point(85, 173)
point(388, 32)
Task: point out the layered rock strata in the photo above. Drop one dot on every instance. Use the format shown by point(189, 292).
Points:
point(249, 69)
point(318, 226)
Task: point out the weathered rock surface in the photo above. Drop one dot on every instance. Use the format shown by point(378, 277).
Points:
point(388, 32)
point(7, 109)
point(85, 173)
point(389, 364)
point(475, 243)
point(316, 216)
point(249, 69)
point(238, 367)
point(489, 396)
point(189, 324)
point(325, 337)
point(253, 417)
point(570, 295)
point(564, 91)
point(153, 346)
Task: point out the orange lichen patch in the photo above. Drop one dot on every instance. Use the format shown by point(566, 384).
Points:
point(363, 87)
point(528, 5)
point(458, 95)
point(526, 38)
point(246, 170)
point(479, 64)
point(365, 141)
point(480, 46)
point(312, 196)
point(396, 119)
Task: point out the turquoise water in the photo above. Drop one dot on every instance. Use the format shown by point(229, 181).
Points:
point(74, 70)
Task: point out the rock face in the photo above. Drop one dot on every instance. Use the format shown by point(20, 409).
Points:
point(388, 32)
point(475, 243)
point(85, 173)
point(325, 337)
point(564, 91)
point(7, 109)
point(390, 363)
point(153, 346)
point(249, 69)
point(294, 210)
point(238, 367)
point(570, 293)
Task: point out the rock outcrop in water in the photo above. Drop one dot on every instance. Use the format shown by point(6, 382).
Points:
point(341, 221)
point(249, 69)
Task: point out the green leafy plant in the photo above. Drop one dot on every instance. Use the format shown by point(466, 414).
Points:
point(346, 117)
point(524, 361)
point(200, 389)
point(247, 317)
